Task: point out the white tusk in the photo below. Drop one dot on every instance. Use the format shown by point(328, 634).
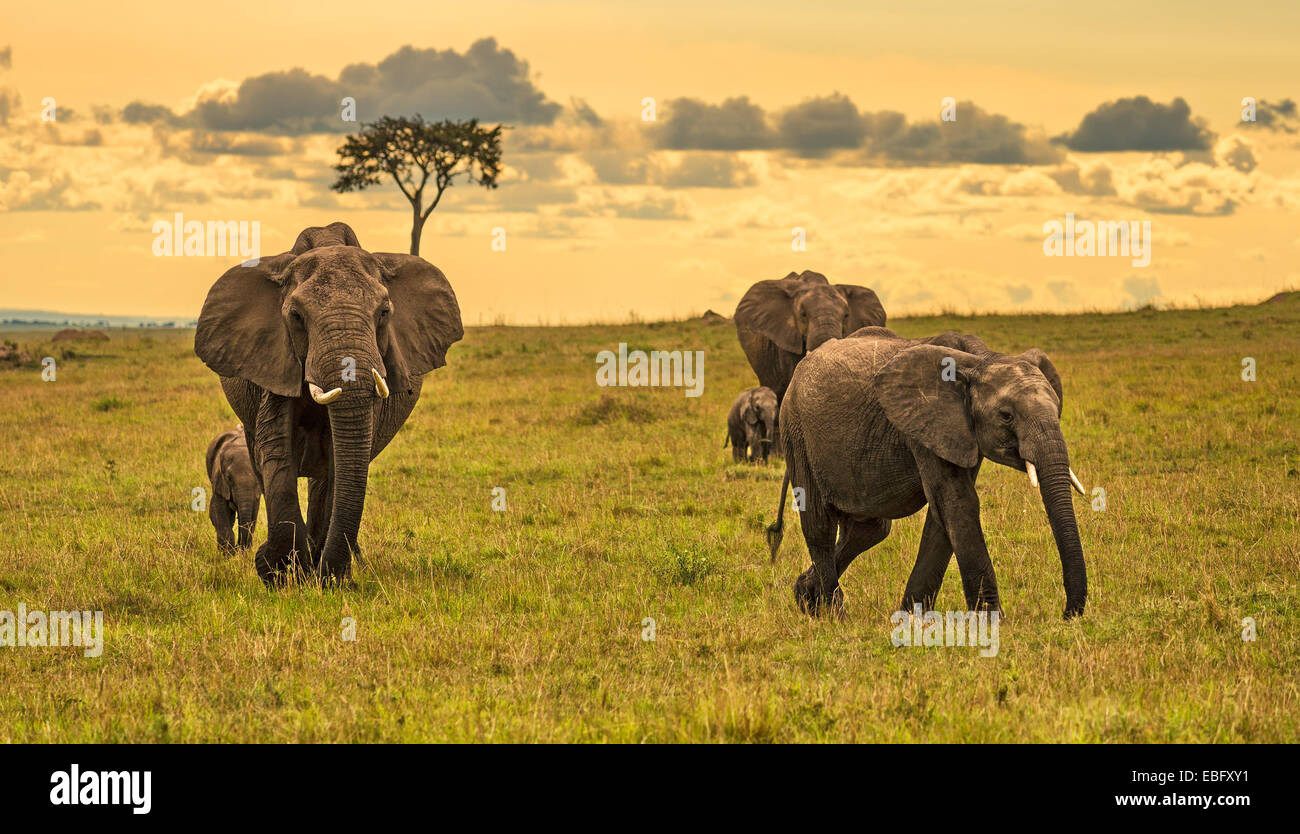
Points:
point(1033, 474)
point(323, 397)
point(381, 387)
point(1074, 479)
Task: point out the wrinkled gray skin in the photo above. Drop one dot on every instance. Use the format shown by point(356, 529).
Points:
point(751, 425)
point(297, 318)
point(778, 322)
point(236, 494)
point(873, 432)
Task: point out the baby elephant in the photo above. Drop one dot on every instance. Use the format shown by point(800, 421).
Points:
point(751, 425)
point(235, 489)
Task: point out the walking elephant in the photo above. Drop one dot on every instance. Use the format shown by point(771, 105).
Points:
point(321, 352)
point(751, 425)
point(236, 493)
point(876, 427)
point(778, 322)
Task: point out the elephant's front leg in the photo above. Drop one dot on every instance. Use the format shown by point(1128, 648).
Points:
point(950, 490)
point(286, 539)
point(931, 564)
point(820, 584)
point(320, 503)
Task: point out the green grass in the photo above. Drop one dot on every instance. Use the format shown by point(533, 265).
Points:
point(526, 625)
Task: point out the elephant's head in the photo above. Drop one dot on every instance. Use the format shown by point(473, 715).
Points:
point(347, 325)
point(760, 418)
point(800, 312)
point(962, 406)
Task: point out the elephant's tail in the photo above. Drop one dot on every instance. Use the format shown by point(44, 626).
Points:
point(777, 530)
point(726, 438)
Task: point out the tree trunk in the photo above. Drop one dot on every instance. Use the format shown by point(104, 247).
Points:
point(417, 228)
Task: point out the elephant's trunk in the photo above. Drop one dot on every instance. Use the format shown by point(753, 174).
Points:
point(247, 514)
point(352, 430)
point(1049, 455)
point(822, 330)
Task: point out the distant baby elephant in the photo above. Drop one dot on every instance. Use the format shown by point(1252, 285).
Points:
point(751, 425)
point(235, 489)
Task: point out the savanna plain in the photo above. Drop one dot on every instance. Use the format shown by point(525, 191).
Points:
point(622, 505)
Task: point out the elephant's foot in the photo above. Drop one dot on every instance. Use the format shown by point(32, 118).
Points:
point(280, 558)
point(336, 567)
point(271, 566)
point(812, 598)
point(339, 576)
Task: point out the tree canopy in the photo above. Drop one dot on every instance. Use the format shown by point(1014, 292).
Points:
point(418, 155)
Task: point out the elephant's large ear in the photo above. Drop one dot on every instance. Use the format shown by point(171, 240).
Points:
point(768, 309)
point(213, 462)
point(241, 331)
point(865, 309)
point(925, 397)
point(1038, 359)
point(426, 316)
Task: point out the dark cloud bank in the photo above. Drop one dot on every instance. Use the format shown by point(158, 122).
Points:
point(485, 82)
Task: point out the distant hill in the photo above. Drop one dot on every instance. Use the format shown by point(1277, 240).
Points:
point(11, 319)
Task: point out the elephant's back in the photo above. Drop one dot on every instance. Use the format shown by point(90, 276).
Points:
point(831, 410)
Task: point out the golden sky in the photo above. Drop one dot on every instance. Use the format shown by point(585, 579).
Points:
point(769, 116)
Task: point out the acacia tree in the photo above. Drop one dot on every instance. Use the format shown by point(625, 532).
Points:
point(414, 152)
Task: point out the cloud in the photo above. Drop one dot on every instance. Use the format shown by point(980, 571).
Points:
point(706, 170)
point(650, 205)
point(200, 147)
point(10, 101)
point(1236, 152)
point(585, 113)
point(485, 82)
point(1161, 185)
point(1275, 116)
point(695, 169)
point(735, 125)
point(1142, 290)
point(137, 112)
point(1019, 293)
point(976, 136)
point(1093, 179)
point(820, 125)
point(56, 191)
point(1139, 124)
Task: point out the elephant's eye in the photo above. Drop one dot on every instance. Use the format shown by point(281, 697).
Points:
point(1005, 415)
point(295, 316)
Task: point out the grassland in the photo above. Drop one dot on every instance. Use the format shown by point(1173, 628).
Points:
point(526, 625)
